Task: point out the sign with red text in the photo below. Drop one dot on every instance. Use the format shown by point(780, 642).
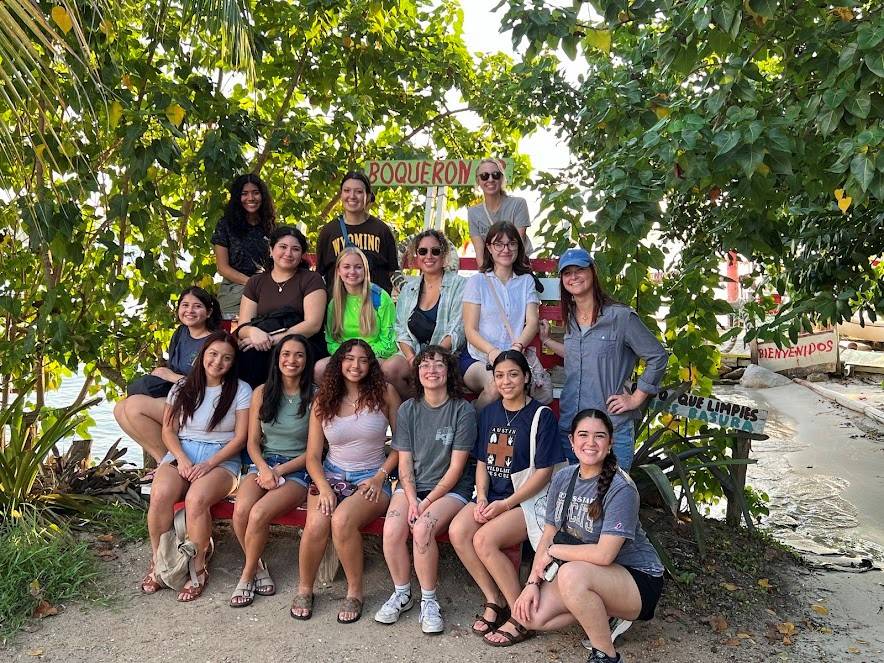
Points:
point(746, 418)
point(810, 350)
point(428, 172)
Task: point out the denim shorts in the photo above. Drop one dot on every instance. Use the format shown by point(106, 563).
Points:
point(298, 476)
point(624, 445)
point(465, 361)
point(198, 452)
point(421, 494)
point(334, 473)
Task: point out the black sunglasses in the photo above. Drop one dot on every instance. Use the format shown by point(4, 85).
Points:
point(436, 251)
point(496, 175)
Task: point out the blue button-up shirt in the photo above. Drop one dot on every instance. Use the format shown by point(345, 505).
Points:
point(600, 360)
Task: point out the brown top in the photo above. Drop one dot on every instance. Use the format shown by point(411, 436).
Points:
point(263, 290)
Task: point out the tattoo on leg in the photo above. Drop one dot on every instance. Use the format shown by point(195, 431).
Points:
point(393, 513)
point(423, 546)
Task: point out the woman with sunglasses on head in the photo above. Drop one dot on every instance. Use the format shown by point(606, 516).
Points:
point(497, 205)
point(594, 560)
point(351, 411)
point(429, 310)
point(604, 342)
point(484, 529)
point(356, 227)
point(241, 237)
point(277, 480)
point(140, 415)
point(500, 309)
point(358, 308)
point(204, 429)
point(290, 285)
point(435, 432)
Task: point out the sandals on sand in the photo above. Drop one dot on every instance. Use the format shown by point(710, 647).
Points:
point(302, 602)
point(350, 604)
point(521, 635)
point(264, 585)
point(243, 595)
point(150, 584)
point(501, 614)
point(193, 592)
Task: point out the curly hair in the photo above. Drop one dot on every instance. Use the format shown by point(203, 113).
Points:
point(236, 214)
point(372, 388)
point(192, 389)
point(595, 509)
point(454, 384)
point(273, 389)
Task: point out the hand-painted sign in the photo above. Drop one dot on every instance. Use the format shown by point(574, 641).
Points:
point(703, 408)
point(428, 172)
point(810, 350)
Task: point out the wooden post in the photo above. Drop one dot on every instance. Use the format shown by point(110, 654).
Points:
point(740, 447)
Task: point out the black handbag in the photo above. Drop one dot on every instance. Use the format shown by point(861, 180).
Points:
point(149, 385)
point(562, 536)
point(274, 321)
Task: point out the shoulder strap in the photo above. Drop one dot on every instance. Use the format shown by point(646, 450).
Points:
point(535, 423)
point(568, 495)
point(506, 322)
point(344, 235)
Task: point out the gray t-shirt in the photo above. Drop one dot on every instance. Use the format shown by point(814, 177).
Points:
point(619, 517)
point(430, 434)
point(512, 209)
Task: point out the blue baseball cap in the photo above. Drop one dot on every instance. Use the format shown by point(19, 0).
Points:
point(576, 258)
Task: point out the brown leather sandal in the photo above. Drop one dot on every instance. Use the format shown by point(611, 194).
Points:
point(193, 592)
point(150, 584)
point(501, 614)
point(521, 635)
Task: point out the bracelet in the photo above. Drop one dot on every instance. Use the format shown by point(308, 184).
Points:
point(537, 582)
point(386, 474)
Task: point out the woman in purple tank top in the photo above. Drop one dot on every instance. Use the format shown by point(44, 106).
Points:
point(351, 411)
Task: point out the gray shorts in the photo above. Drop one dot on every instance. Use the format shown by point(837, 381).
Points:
point(229, 294)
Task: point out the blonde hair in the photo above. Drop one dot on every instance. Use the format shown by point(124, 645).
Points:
point(501, 166)
point(367, 317)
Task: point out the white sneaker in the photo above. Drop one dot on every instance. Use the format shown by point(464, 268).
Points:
point(618, 627)
point(390, 611)
point(431, 617)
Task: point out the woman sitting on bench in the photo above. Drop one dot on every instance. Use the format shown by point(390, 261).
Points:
point(204, 429)
point(496, 521)
point(277, 480)
point(435, 432)
point(352, 410)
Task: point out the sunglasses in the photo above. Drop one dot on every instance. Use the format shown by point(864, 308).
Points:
point(436, 251)
point(496, 175)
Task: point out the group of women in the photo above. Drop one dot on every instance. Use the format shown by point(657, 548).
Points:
point(493, 473)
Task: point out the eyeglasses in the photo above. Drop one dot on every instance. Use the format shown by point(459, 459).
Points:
point(500, 246)
point(496, 175)
point(428, 365)
point(436, 251)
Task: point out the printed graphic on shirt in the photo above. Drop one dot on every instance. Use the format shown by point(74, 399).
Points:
point(578, 518)
point(500, 451)
point(364, 241)
point(445, 435)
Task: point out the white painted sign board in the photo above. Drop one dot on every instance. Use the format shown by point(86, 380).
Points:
point(810, 350)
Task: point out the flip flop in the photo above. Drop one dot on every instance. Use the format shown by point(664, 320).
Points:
point(264, 585)
point(501, 614)
point(302, 602)
point(243, 595)
point(521, 635)
point(350, 604)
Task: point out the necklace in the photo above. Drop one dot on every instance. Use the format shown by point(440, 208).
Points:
point(584, 317)
point(279, 285)
point(511, 419)
point(290, 399)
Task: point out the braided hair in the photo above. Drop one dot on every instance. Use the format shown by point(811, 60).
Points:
point(609, 465)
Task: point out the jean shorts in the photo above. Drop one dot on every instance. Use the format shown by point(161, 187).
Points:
point(198, 452)
point(334, 473)
point(298, 476)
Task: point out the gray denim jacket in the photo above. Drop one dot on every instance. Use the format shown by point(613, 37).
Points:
point(449, 320)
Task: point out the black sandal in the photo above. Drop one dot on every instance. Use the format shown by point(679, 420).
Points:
point(521, 635)
point(501, 614)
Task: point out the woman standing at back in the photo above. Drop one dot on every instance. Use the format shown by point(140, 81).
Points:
point(496, 206)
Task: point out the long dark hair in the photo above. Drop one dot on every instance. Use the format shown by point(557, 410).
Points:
point(569, 307)
point(236, 215)
point(519, 360)
point(508, 230)
point(273, 390)
point(292, 231)
point(192, 391)
point(208, 300)
point(454, 383)
point(362, 177)
point(332, 390)
point(609, 466)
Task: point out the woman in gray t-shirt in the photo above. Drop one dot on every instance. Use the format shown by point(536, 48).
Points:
point(594, 560)
point(497, 205)
point(434, 435)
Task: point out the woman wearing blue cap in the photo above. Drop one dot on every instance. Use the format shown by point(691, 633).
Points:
point(603, 342)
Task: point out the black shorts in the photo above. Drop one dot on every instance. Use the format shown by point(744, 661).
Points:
point(649, 589)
